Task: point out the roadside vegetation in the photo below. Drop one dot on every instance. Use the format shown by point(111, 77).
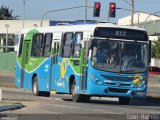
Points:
point(7, 14)
point(156, 48)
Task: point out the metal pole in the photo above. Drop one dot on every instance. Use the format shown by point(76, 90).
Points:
point(108, 15)
point(6, 25)
point(24, 5)
point(140, 11)
point(149, 16)
point(127, 2)
point(138, 19)
point(85, 19)
point(132, 12)
point(57, 11)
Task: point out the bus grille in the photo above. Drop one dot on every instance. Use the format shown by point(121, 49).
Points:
point(117, 78)
point(118, 90)
point(114, 84)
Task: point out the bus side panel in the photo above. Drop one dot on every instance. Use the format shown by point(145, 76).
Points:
point(60, 80)
point(43, 75)
point(61, 75)
point(18, 75)
point(28, 81)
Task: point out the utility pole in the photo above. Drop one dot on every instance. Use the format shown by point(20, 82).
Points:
point(132, 12)
point(58, 11)
point(85, 19)
point(24, 8)
point(7, 26)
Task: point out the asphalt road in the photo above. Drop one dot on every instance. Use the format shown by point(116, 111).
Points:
point(62, 106)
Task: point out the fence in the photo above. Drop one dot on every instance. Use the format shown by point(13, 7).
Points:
point(7, 62)
point(7, 68)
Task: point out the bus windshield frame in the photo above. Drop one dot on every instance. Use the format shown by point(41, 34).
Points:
point(111, 55)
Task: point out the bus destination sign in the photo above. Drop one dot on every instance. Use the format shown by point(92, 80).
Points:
point(121, 33)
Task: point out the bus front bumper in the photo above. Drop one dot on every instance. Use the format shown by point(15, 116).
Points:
point(117, 91)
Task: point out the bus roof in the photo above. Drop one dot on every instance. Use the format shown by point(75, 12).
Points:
point(81, 27)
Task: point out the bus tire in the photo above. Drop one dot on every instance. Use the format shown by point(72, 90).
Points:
point(75, 97)
point(124, 100)
point(47, 94)
point(85, 98)
point(35, 88)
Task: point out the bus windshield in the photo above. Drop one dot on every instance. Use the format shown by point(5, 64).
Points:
point(119, 56)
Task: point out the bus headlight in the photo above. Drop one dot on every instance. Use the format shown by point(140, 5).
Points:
point(95, 80)
point(98, 82)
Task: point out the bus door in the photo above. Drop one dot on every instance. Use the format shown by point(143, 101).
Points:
point(74, 51)
point(84, 70)
point(25, 59)
point(54, 65)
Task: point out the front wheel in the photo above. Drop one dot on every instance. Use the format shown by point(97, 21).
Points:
point(46, 94)
point(85, 98)
point(124, 100)
point(75, 97)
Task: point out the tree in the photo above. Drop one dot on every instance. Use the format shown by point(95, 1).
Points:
point(6, 14)
point(156, 48)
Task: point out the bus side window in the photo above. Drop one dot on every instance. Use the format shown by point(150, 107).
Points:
point(20, 45)
point(47, 44)
point(37, 45)
point(66, 44)
point(76, 47)
point(27, 53)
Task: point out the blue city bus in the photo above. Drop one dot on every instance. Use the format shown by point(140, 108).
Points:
point(84, 60)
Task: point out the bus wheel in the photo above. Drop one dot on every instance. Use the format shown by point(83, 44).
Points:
point(124, 100)
point(86, 98)
point(47, 94)
point(35, 90)
point(75, 97)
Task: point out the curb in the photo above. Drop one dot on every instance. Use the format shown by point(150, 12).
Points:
point(11, 107)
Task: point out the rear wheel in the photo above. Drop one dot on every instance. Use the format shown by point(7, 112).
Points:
point(124, 100)
point(35, 89)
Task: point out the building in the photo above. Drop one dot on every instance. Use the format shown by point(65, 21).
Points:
point(11, 28)
point(143, 20)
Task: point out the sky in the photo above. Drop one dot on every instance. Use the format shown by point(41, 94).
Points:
point(34, 9)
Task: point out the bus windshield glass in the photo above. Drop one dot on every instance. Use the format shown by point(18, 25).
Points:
point(119, 56)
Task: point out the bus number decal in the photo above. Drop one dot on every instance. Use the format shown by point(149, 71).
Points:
point(121, 33)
